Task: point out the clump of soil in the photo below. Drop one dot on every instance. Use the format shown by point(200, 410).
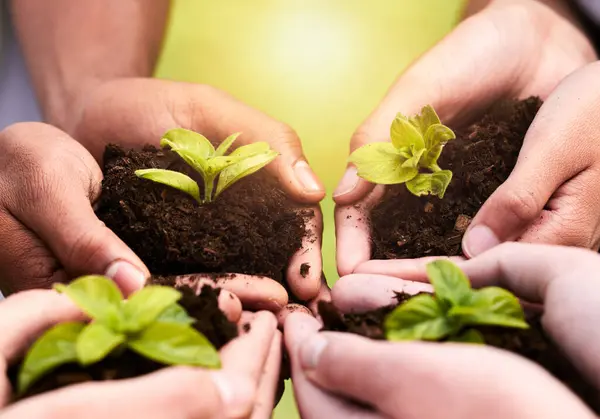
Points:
point(252, 228)
point(481, 158)
point(211, 321)
point(532, 343)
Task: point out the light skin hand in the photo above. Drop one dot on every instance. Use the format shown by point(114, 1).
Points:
point(333, 371)
point(461, 77)
point(564, 279)
point(50, 233)
point(235, 391)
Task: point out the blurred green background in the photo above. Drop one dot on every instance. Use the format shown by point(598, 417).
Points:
point(319, 65)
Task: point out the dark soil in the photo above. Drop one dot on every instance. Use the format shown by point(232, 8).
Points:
point(252, 228)
point(533, 343)
point(210, 321)
point(481, 158)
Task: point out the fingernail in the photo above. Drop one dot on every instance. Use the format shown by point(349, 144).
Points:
point(307, 177)
point(479, 239)
point(236, 392)
point(347, 183)
point(126, 275)
point(311, 351)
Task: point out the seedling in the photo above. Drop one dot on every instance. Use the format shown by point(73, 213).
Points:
point(209, 162)
point(411, 157)
point(150, 323)
point(455, 308)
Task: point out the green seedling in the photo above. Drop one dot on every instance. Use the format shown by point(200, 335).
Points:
point(411, 157)
point(209, 162)
point(454, 309)
point(150, 323)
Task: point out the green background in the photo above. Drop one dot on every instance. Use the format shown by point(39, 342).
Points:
point(319, 65)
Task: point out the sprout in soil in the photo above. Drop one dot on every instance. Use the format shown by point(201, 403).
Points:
point(150, 323)
point(209, 162)
point(411, 157)
point(453, 310)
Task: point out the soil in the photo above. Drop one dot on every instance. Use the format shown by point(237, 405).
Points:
point(533, 343)
point(481, 159)
point(252, 228)
point(211, 321)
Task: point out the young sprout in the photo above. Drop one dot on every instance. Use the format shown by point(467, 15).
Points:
point(455, 308)
point(150, 323)
point(411, 157)
point(209, 162)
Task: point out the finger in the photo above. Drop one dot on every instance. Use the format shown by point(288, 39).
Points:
point(352, 232)
point(425, 384)
point(528, 270)
point(248, 353)
point(54, 202)
point(304, 270)
point(289, 309)
point(173, 392)
point(267, 388)
point(408, 269)
point(324, 295)
point(313, 403)
point(540, 169)
point(359, 293)
point(255, 292)
point(570, 217)
point(201, 108)
point(26, 315)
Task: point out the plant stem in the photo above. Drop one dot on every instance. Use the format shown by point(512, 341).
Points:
point(208, 189)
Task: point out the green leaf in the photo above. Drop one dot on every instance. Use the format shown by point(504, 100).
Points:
point(197, 163)
point(243, 168)
point(491, 306)
point(216, 165)
point(173, 179)
point(435, 139)
point(251, 149)
point(425, 119)
point(430, 183)
point(54, 348)
point(404, 134)
point(381, 163)
point(180, 139)
point(227, 142)
point(95, 342)
point(450, 284)
point(97, 296)
point(145, 305)
point(468, 336)
point(413, 161)
point(175, 344)
point(175, 314)
point(419, 318)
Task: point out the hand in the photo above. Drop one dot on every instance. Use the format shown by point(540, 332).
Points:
point(243, 388)
point(49, 232)
point(461, 77)
point(564, 279)
point(337, 375)
point(136, 112)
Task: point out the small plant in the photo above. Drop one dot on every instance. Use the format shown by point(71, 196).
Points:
point(150, 323)
point(209, 162)
point(455, 308)
point(416, 145)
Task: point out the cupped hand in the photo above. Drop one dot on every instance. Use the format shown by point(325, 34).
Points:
point(243, 388)
point(565, 280)
point(50, 233)
point(136, 112)
point(338, 375)
point(511, 48)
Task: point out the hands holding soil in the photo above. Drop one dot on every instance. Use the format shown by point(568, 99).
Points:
point(332, 371)
point(524, 48)
point(243, 388)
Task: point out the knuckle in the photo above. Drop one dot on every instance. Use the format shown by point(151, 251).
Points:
point(360, 137)
point(89, 247)
point(521, 204)
point(285, 137)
